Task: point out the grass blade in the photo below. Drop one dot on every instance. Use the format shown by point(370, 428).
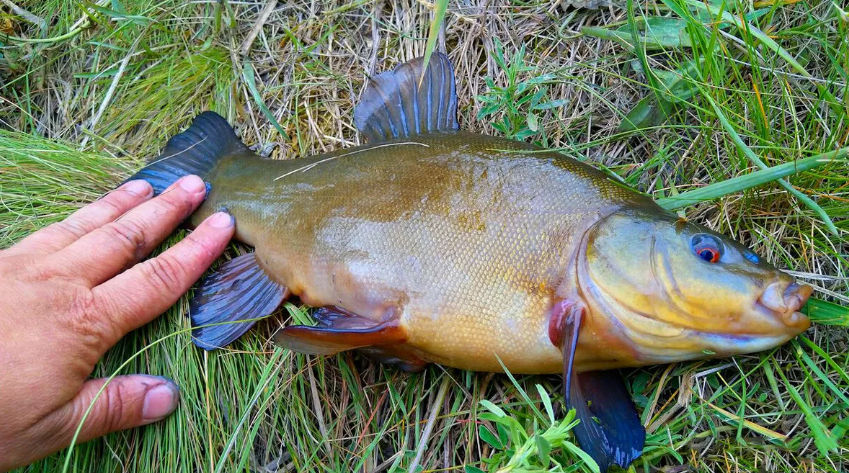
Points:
point(753, 179)
point(827, 313)
point(250, 80)
point(433, 33)
point(755, 159)
point(822, 437)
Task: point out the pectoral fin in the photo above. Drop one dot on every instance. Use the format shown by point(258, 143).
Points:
point(239, 290)
point(339, 331)
point(609, 430)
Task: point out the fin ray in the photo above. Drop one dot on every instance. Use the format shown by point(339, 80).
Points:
point(238, 290)
point(395, 103)
point(610, 430)
point(338, 331)
point(194, 151)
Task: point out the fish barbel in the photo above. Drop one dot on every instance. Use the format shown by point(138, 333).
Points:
point(434, 245)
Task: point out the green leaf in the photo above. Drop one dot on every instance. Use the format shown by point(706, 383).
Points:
point(490, 438)
point(588, 460)
point(472, 469)
point(649, 112)
point(503, 433)
point(655, 33)
point(544, 449)
point(493, 408)
point(826, 313)
point(533, 122)
point(752, 179)
point(546, 402)
point(550, 104)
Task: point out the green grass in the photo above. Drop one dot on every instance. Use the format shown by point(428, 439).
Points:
point(675, 97)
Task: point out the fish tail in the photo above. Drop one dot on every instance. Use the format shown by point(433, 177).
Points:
point(194, 151)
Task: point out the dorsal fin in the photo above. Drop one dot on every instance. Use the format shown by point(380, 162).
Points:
point(404, 102)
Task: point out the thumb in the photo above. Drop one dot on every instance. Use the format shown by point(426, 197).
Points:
point(125, 402)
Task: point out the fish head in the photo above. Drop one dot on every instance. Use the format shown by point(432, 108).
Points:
point(677, 290)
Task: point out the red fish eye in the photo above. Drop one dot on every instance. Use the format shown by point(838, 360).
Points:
point(706, 247)
point(711, 255)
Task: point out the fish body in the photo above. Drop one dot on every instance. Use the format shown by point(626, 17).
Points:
point(465, 238)
point(433, 245)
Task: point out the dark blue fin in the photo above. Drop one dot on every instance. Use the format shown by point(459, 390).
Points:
point(399, 356)
point(610, 430)
point(405, 102)
point(194, 151)
point(238, 290)
point(337, 331)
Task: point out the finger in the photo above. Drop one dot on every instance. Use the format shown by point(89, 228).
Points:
point(125, 402)
point(85, 220)
point(138, 295)
point(105, 252)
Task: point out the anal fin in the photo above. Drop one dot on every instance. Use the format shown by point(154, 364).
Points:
point(239, 290)
point(339, 331)
point(609, 429)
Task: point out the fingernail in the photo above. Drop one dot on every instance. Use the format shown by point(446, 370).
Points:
point(221, 220)
point(160, 401)
point(192, 184)
point(138, 187)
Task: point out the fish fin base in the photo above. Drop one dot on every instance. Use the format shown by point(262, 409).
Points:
point(239, 290)
point(409, 100)
point(194, 151)
point(398, 356)
point(564, 326)
point(338, 331)
point(610, 430)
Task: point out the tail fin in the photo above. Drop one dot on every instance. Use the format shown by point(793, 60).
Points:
point(194, 151)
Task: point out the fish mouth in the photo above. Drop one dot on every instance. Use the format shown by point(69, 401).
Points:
point(782, 302)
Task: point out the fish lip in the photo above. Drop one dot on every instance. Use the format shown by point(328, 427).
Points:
point(790, 318)
point(782, 303)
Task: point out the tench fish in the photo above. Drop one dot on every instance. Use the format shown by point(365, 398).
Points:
point(433, 245)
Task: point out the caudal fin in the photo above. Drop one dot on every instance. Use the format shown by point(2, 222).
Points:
point(194, 151)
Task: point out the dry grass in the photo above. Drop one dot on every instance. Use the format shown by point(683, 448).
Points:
point(140, 70)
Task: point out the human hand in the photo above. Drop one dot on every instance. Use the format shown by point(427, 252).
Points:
point(70, 291)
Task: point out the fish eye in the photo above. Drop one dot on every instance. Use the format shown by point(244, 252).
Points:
point(707, 247)
point(751, 256)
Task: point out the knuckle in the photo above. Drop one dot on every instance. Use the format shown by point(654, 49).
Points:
point(163, 272)
point(115, 202)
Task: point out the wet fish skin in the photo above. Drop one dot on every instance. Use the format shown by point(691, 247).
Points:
point(468, 239)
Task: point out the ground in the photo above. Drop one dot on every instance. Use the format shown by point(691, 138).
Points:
point(90, 90)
